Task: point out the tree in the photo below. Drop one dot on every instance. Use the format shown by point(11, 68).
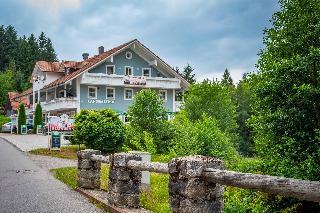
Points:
point(187, 74)
point(243, 99)
point(6, 86)
point(38, 120)
point(227, 79)
point(147, 114)
point(212, 99)
point(99, 129)
point(287, 95)
point(22, 117)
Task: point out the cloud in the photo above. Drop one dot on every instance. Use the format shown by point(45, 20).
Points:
point(53, 7)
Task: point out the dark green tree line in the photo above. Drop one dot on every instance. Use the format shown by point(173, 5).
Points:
point(23, 52)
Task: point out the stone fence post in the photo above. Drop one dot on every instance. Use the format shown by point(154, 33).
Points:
point(124, 183)
point(188, 190)
point(88, 170)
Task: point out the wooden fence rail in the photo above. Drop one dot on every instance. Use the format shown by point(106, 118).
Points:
point(190, 180)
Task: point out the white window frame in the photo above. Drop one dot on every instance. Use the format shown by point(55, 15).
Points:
point(124, 94)
point(125, 70)
point(96, 92)
point(114, 69)
point(166, 95)
point(143, 69)
point(114, 93)
point(130, 57)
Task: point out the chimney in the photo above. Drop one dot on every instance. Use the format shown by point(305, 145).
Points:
point(85, 56)
point(101, 50)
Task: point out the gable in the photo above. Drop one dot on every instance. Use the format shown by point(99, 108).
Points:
point(137, 62)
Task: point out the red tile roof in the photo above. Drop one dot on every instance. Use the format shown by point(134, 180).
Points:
point(84, 65)
point(16, 98)
point(46, 66)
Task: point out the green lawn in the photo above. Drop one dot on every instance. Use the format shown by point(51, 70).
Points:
point(68, 152)
point(156, 200)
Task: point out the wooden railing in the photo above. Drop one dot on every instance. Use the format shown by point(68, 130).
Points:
point(195, 182)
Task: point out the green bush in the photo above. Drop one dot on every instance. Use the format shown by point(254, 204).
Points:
point(202, 137)
point(148, 127)
point(3, 120)
point(99, 129)
point(37, 118)
point(22, 117)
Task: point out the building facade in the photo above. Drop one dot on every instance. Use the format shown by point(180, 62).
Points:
point(107, 80)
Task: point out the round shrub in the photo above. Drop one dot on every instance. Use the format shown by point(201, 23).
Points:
point(99, 129)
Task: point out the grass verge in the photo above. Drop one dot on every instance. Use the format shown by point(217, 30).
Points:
point(68, 152)
point(156, 200)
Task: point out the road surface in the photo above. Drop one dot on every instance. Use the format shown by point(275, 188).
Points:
point(25, 187)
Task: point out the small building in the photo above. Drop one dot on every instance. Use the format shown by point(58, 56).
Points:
point(107, 80)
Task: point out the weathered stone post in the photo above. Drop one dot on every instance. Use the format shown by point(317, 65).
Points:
point(145, 179)
point(188, 191)
point(124, 183)
point(88, 170)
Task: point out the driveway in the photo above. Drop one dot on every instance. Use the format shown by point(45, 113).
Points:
point(25, 187)
point(28, 142)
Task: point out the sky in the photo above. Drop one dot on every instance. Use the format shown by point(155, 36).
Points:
point(210, 35)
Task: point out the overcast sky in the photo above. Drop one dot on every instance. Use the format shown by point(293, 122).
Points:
point(211, 35)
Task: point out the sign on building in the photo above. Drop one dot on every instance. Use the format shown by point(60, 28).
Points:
point(141, 80)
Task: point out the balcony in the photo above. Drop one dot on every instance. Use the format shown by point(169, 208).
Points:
point(60, 104)
point(130, 81)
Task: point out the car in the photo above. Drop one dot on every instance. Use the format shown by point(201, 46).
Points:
point(6, 127)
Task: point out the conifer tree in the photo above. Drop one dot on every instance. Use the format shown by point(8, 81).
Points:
point(187, 74)
point(22, 117)
point(37, 118)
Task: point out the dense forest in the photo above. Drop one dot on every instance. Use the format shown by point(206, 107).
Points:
point(18, 55)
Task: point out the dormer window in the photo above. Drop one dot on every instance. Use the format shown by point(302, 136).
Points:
point(110, 69)
point(128, 70)
point(128, 55)
point(146, 72)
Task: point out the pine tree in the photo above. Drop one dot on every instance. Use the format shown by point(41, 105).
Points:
point(22, 117)
point(187, 74)
point(37, 118)
point(227, 80)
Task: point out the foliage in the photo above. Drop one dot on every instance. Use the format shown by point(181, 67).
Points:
point(23, 52)
point(202, 137)
point(148, 127)
point(99, 129)
point(187, 74)
point(6, 86)
point(3, 120)
point(243, 98)
point(214, 100)
point(287, 95)
point(22, 117)
point(37, 118)
point(227, 79)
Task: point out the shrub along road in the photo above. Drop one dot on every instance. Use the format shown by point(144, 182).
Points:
point(24, 187)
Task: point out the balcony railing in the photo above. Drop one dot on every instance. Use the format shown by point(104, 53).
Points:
point(132, 81)
point(60, 104)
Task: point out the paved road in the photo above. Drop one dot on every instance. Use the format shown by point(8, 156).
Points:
point(25, 187)
point(28, 142)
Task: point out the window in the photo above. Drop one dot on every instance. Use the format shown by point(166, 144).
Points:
point(92, 92)
point(110, 93)
point(110, 69)
point(128, 55)
point(128, 94)
point(163, 95)
point(128, 70)
point(146, 72)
